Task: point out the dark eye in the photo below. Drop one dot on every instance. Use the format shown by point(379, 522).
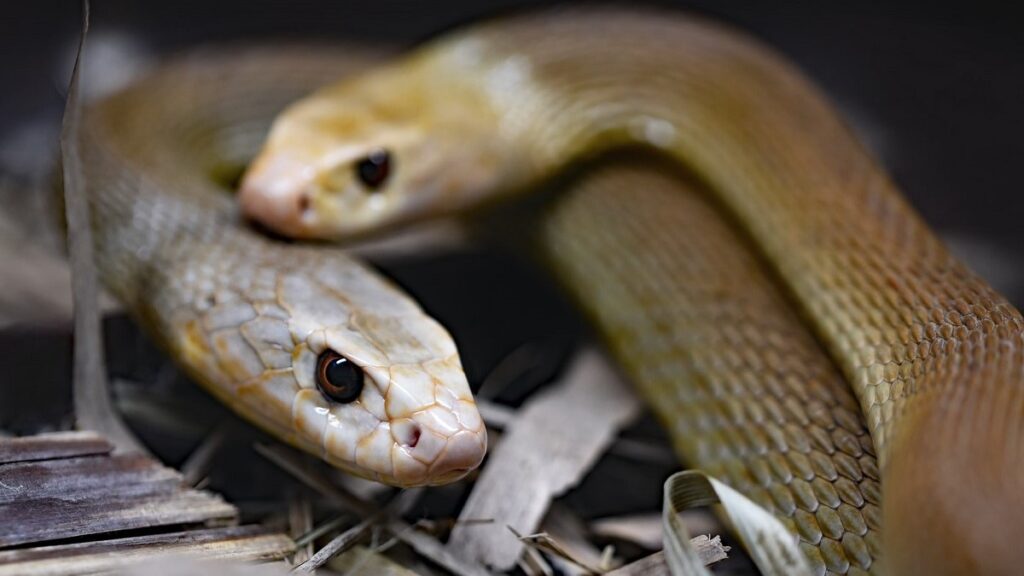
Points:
point(373, 170)
point(338, 377)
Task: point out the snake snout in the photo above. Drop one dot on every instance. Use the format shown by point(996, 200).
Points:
point(435, 448)
point(463, 452)
point(275, 193)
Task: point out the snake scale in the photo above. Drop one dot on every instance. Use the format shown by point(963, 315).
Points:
point(789, 317)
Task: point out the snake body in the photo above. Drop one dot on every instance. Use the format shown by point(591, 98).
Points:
point(247, 317)
point(775, 310)
point(747, 393)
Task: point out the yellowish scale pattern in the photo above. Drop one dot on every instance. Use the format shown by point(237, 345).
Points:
point(733, 372)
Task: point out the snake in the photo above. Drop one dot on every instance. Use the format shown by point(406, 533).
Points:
point(308, 343)
point(789, 316)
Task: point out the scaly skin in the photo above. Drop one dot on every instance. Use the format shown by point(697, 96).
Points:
point(744, 389)
point(932, 354)
point(247, 316)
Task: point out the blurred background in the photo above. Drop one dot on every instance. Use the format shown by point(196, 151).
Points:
point(935, 91)
point(936, 94)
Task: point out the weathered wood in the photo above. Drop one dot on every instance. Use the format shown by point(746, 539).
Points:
point(45, 500)
point(554, 440)
point(70, 488)
point(57, 519)
point(246, 543)
point(51, 446)
point(75, 478)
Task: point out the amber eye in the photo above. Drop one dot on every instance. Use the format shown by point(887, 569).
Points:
point(338, 377)
point(373, 169)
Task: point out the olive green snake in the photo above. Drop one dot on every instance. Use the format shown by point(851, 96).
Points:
point(791, 320)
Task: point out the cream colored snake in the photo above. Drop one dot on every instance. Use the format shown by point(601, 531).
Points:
point(791, 320)
point(304, 341)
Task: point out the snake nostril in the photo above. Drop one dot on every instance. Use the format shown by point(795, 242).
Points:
point(406, 432)
point(304, 203)
point(414, 437)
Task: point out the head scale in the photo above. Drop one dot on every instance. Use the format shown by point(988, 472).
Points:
point(338, 362)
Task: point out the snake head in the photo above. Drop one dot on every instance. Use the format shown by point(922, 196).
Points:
point(320, 351)
point(373, 152)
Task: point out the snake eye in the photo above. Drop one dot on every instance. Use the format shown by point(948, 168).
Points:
point(374, 168)
point(338, 377)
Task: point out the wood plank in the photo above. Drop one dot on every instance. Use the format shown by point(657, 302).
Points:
point(246, 543)
point(52, 445)
point(85, 491)
point(120, 477)
point(50, 519)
